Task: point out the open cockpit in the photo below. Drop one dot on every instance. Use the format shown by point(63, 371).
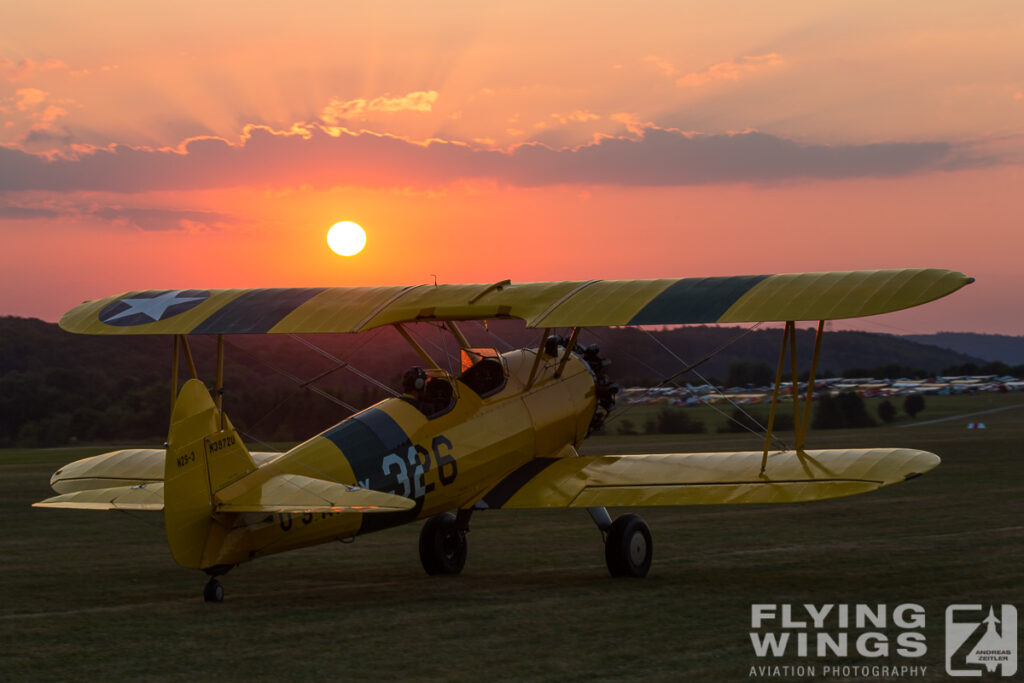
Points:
point(434, 393)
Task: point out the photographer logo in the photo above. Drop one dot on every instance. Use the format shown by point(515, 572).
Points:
point(981, 638)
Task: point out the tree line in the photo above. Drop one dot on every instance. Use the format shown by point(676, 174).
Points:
point(57, 388)
point(845, 410)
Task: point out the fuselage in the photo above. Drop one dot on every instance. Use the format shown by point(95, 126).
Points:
point(445, 461)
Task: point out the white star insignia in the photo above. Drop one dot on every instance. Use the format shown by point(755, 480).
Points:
point(154, 307)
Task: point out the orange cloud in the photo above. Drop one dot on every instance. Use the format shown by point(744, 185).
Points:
point(22, 69)
point(729, 71)
point(27, 98)
point(39, 108)
point(338, 110)
point(663, 65)
point(632, 123)
point(51, 113)
point(578, 116)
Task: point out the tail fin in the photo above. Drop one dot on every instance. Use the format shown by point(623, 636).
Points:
point(204, 454)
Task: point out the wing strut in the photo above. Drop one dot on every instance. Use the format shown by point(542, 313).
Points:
point(801, 417)
point(188, 356)
point(802, 434)
point(775, 395)
point(536, 360)
point(219, 387)
point(181, 345)
point(457, 333)
point(431, 363)
point(569, 346)
point(794, 388)
point(174, 371)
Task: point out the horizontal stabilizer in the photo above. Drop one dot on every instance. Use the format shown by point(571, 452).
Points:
point(298, 494)
point(137, 497)
point(705, 478)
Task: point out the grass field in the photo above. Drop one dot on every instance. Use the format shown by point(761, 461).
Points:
point(97, 596)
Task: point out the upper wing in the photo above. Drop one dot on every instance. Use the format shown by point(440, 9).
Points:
point(747, 298)
point(704, 478)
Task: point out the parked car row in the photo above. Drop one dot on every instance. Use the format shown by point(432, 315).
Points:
point(867, 387)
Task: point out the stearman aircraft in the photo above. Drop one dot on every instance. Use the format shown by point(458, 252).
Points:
point(504, 433)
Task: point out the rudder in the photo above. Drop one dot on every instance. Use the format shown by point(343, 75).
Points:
point(202, 458)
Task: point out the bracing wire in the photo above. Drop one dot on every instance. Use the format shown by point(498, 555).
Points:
point(485, 328)
point(251, 438)
point(444, 344)
point(714, 352)
point(693, 368)
point(346, 365)
point(422, 338)
point(302, 383)
point(735, 405)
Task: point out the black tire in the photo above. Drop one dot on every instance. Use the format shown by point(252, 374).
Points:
point(442, 545)
point(213, 592)
point(628, 548)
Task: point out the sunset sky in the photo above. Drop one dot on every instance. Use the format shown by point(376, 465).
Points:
point(202, 145)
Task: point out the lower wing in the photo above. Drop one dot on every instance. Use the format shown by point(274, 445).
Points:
point(280, 493)
point(121, 469)
point(704, 478)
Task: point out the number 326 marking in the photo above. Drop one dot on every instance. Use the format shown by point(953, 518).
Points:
point(419, 460)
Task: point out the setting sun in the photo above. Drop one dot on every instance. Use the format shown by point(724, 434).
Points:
point(346, 238)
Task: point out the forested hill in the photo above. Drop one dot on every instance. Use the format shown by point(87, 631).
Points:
point(57, 388)
point(991, 347)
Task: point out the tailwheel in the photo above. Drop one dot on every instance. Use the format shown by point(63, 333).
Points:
point(442, 545)
point(628, 547)
point(213, 592)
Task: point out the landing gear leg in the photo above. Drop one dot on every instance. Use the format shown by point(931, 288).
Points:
point(628, 547)
point(443, 543)
point(601, 518)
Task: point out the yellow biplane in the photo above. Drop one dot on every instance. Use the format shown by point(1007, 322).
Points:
point(503, 433)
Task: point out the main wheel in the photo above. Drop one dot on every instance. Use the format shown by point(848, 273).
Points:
point(213, 592)
point(442, 545)
point(628, 547)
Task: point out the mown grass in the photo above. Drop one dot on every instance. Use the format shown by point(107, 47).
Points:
point(97, 596)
